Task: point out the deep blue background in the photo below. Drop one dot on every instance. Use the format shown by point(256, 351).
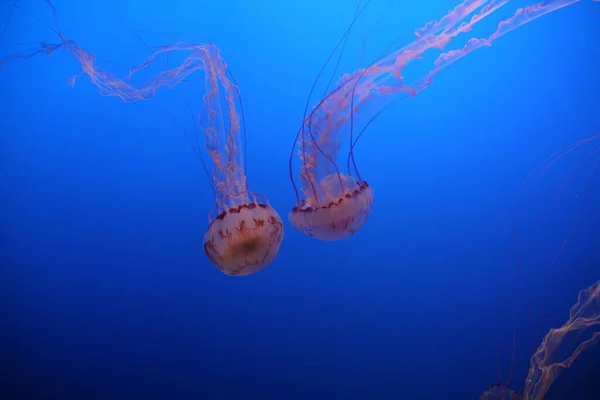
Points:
point(105, 292)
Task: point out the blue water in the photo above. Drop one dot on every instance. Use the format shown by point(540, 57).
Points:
point(105, 292)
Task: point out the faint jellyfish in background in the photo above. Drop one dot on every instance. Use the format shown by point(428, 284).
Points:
point(498, 391)
point(333, 203)
point(560, 347)
point(244, 233)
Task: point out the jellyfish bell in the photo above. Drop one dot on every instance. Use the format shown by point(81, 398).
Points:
point(499, 391)
point(245, 238)
point(338, 213)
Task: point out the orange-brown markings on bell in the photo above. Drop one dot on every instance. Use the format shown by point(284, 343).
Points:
point(247, 242)
point(355, 193)
point(336, 219)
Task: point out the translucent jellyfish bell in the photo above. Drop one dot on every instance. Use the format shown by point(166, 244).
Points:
point(340, 212)
point(244, 239)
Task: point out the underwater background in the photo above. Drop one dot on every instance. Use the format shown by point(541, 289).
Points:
point(105, 292)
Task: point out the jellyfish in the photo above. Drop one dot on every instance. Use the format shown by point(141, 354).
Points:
point(559, 349)
point(244, 232)
point(333, 203)
point(247, 232)
point(562, 346)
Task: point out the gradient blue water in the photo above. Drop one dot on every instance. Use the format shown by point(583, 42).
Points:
point(105, 290)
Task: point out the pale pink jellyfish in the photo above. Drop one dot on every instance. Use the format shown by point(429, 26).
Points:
point(332, 203)
point(246, 233)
